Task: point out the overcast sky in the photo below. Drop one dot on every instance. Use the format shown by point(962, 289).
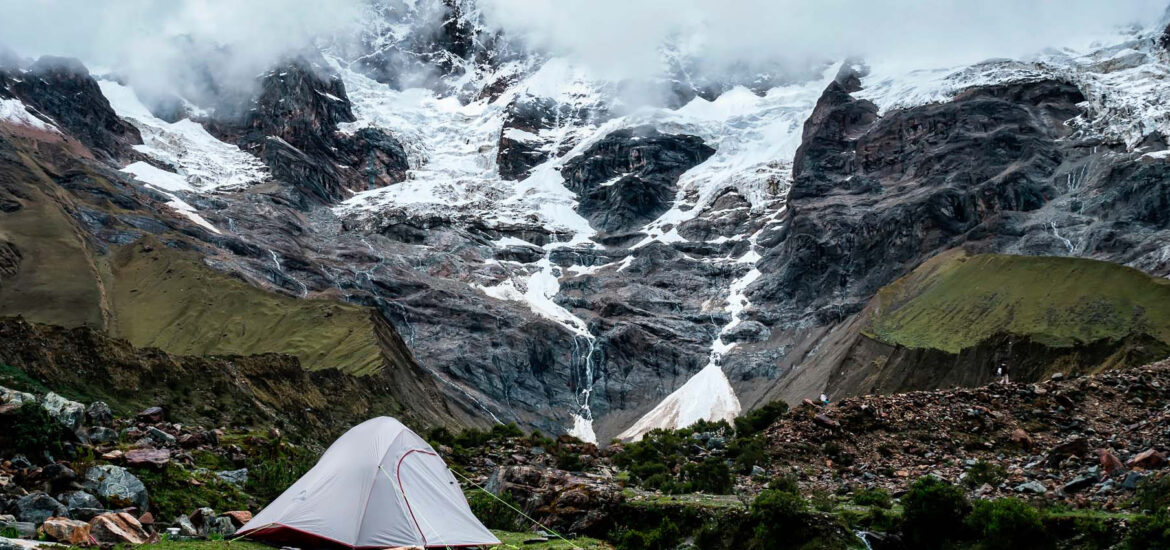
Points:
point(617, 38)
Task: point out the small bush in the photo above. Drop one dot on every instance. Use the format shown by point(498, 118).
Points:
point(985, 472)
point(1007, 524)
point(495, 514)
point(1149, 533)
point(934, 512)
point(779, 515)
point(276, 466)
point(709, 476)
point(1153, 493)
point(33, 432)
point(747, 452)
point(873, 497)
point(758, 420)
point(664, 537)
point(784, 484)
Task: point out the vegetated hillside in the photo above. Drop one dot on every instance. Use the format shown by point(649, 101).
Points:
point(166, 298)
point(957, 318)
point(956, 301)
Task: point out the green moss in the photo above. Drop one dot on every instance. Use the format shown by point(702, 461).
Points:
point(954, 301)
point(174, 490)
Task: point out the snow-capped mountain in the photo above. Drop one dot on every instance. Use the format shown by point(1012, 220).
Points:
point(554, 253)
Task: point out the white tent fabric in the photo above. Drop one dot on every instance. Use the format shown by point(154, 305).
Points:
point(379, 485)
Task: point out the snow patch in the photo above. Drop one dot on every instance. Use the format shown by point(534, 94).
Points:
point(706, 396)
point(14, 111)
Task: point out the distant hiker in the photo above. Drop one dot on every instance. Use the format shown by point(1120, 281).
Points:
point(1003, 372)
point(824, 399)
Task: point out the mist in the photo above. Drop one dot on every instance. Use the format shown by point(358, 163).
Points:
point(624, 39)
point(206, 48)
point(193, 48)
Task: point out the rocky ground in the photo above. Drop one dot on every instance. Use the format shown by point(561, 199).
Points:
point(75, 473)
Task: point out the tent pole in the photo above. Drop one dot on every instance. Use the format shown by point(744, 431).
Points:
point(514, 509)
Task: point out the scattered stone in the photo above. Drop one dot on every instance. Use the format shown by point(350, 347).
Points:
point(826, 421)
point(117, 486)
point(160, 437)
point(23, 529)
point(1148, 460)
point(68, 413)
point(186, 528)
point(37, 506)
point(101, 435)
point(757, 471)
point(1057, 376)
point(1033, 487)
point(67, 531)
point(151, 415)
point(1109, 461)
point(154, 457)
point(146, 519)
point(1021, 438)
point(1131, 480)
point(113, 455)
point(117, 528)
point(82, 505)
point(238, 478)
point(17, 398)
point(1074, 448)
point(222, 525)
point(239, 517)
point(57, 475)
point(1079, 484)
point(99, 414)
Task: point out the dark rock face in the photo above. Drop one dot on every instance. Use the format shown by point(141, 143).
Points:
point(63, 89)
point(1164, 40)
point(293, 127)
point(629, 177)
point(872, 197)
point(520, 148)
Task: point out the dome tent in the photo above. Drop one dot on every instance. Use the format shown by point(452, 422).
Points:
point(379, 485)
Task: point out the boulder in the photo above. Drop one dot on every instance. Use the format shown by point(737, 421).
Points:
point(1034, 487)
point(67, 531)
point(186, 528)
point(117, 528)
point(36, 507)
point(223, 526)
point(17, 398)
point(151, 415)
point(117, 487)
point(23, 529)
point(82, 505)
point(69, 413)
point(1148, 460)
point(1073, 448)
point(154, 457)
point(238, 478)
point(99, 414)
point(57, 475)
point(101, 435)
point(1079, 484)
point(160, 437)
point(1109, 461)
point(1021, 438)
point(239, 517)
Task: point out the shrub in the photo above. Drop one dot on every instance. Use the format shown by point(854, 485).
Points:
point(784, 484)
point(746, 453)
point(1007, 524)
point(1153, 493)
point(175, 490)
point(276, 466)
point(873, 497)
point(709, 476)
point(33, 432)
point(934, 512)
point(985, 472)
point(495, 514)
point(779, 515)
point(758, 420)
point(1149, 533)
point(664, 537)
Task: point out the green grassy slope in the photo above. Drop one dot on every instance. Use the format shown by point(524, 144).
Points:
point(169, 299)
point(954, 301)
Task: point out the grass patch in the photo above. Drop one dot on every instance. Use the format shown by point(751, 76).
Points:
point(954, 301)
point(169, 299)
point(510, 539)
